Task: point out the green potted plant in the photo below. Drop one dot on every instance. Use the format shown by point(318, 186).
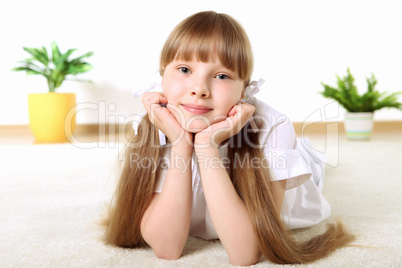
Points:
point(48, 111)
point(360, 107)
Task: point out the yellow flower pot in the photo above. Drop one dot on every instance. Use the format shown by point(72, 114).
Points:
point(48, 116)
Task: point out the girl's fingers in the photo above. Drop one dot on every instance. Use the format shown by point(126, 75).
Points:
point(153, 98)
point(153, 102)
point(240, 114)
point(232, 111)
point(160, 114)
point(220, 131)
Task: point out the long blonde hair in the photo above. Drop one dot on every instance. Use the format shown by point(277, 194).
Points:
point(207, 34)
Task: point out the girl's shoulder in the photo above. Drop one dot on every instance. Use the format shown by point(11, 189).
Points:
point(269, 119)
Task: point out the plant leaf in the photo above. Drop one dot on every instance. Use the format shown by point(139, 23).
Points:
point(80, 80)
point(37, 55)
point(55, 53)
point(88, 54)
point(44, 53)
point(54, 73)
point(60, 64)
point(79, 68)
point(371, 83)
point(347, 95)
point(29, 71)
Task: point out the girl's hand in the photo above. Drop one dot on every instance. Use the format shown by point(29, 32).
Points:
point(161, 116)
point(215, 134)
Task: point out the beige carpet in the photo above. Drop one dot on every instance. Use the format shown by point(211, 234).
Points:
point(51, 197)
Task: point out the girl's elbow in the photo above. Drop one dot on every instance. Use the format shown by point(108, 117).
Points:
point(245, 260)
point(164, 246)
point(168, 252)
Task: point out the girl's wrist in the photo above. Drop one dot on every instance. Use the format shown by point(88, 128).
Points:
point(206, 150)
point(203, 142)
point(209, 158)
point(183, 148)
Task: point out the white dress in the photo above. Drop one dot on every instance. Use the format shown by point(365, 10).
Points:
point(289, 160)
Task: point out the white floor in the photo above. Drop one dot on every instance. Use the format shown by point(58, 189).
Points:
point(52, 196)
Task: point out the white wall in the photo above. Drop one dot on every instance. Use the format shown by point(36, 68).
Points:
point(297, 45)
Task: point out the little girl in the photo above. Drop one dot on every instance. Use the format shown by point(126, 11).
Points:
point(226, 165)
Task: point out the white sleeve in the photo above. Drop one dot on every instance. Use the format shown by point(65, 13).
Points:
point(160, 181)
point(279, 147)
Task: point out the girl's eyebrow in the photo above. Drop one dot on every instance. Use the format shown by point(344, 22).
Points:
point(182, 62)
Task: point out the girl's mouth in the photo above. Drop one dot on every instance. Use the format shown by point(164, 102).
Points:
point(196, 109)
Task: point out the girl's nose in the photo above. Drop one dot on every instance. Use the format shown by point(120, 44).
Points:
point(200, 93)
point(200, 89)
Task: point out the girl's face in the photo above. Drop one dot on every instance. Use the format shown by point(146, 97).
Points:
point(200, 93)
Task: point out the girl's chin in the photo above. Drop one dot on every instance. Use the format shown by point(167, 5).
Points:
point(196, 124)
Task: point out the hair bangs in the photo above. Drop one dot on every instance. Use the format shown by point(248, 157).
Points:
point(207, 35)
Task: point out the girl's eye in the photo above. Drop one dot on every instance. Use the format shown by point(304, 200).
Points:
point(222, 76)
point(184, 70)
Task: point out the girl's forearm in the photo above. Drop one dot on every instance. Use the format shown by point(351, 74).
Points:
point(228, 212)
point(166, 222)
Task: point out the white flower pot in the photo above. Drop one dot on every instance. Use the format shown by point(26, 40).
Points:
point(358, 126)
